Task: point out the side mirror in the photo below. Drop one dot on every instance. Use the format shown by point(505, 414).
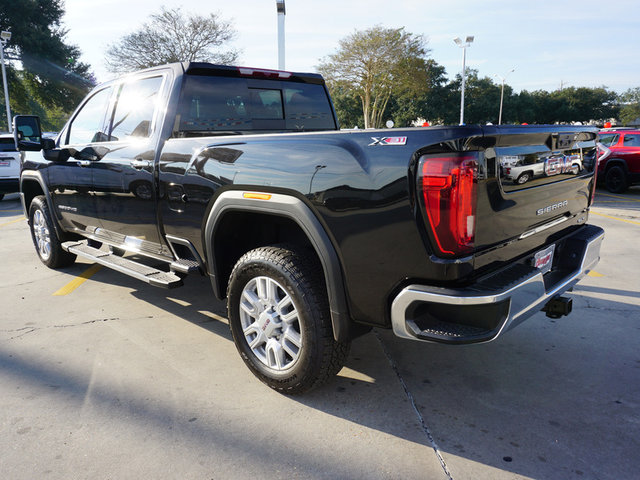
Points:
point(27, 133)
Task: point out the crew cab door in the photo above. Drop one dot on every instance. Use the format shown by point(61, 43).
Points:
point(123, 178)
point(70, 178)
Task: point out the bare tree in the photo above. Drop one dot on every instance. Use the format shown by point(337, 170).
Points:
point(171, 36)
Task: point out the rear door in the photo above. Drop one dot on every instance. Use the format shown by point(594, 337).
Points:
point(515, 216)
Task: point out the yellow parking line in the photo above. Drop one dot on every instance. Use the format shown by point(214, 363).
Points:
point(593, 273)
point(79, 280)
point(617, 196)
point(615, 218)
point(12, 221)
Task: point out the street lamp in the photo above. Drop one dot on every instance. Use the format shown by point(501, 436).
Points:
point(281, 13)
point(502, 92)
point(4, 38)
point(463, 45)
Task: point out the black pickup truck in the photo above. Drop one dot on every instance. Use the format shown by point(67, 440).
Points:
point(313, 235)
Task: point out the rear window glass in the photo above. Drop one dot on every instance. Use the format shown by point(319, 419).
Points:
point(7, 145)
point(224, 104)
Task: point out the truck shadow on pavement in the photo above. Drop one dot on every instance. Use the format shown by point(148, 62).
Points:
point(551, 399)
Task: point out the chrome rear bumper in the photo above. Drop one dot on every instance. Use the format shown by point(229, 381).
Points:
point(483, 311)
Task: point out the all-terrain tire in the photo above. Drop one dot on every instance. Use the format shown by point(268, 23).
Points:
point(44, 237)
point(280, 321)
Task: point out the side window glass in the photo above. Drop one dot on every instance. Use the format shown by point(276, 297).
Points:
point(135, 109)
point(608, 140)
point(89, 124)
point(631, 140)
point(307, 107)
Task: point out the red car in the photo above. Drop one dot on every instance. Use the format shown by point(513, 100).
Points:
point(621, 168)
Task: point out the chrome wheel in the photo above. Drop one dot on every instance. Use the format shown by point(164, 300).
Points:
point(280, 319)
point(270, 323)
point(42, 235)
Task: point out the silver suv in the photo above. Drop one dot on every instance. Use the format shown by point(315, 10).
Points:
point(9, 166)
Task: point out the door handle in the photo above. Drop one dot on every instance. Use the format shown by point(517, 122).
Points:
point(140, 164)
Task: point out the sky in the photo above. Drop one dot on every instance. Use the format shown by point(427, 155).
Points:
point(550, 44)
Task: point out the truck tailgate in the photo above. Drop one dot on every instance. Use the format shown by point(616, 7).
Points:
point(537, 188)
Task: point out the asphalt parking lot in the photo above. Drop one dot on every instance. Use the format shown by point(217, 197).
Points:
point(104, 377)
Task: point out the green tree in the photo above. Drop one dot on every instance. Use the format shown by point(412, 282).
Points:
point(481, 99)
point(584, 104)
point(51, 78)
point(630, 106)
point(375, 65)
point(567, 105)
point(171, 36)
point(428, 98)
point(348, 106)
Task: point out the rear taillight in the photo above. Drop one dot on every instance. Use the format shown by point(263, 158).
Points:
point(449, 190)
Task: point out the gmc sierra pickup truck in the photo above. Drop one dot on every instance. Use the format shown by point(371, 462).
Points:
point(313, 235)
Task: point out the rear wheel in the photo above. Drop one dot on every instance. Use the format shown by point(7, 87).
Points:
point(44, 236)
point(616, 180)
point(523, 178)
point(280, 321)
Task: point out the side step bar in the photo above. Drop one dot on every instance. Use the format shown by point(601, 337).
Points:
point(150, 275)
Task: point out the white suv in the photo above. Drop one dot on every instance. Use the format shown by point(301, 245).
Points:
point(9, 166)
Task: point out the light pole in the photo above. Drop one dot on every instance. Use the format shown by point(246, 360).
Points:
point(463, 45)
point(502, 93)
point(4, 38)
point(281, 13)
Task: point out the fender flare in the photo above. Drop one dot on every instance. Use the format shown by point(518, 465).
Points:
point(34, 175)
point(614, 161)
point(296, 210)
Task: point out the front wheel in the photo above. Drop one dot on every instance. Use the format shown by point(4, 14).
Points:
point(44, 236)
point(280, 322)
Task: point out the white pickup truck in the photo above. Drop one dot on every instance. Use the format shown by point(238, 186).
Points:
point(523, 168)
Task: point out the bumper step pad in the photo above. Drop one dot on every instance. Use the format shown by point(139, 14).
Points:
point(150, 275)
